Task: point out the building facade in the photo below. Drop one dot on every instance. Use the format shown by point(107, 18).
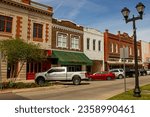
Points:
point(94, 49)
point(67, 46)
point(112, 45)
point(29, 21)
point(145, 54)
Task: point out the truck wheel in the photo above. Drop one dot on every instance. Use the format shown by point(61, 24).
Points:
point(76, 80)
point(40, 81)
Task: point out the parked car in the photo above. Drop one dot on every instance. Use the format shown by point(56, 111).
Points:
point(60, 74)
point(142, 72)
point(119, 73)
point(102, 76)
point(131, 72)
point(148, 71)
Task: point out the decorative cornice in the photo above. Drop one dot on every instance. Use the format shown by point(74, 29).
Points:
point(27, 7)
point(66, 28)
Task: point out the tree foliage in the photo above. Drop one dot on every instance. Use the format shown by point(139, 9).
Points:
point(16, 50)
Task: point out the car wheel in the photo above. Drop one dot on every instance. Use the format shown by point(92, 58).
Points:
point(76, 80)
point(120, 76)
point(90, 79)
point(133, 75)
point(40, 81)
point(108, 78)
point(144, 74)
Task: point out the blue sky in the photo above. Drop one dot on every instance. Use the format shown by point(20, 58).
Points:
point(102, 14)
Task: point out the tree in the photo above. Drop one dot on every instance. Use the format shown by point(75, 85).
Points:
point(16, 50)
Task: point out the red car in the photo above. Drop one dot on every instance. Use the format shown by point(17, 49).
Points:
point(102, 76)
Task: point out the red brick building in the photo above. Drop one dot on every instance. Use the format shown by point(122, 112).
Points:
point(112, 45)
point(67, 45)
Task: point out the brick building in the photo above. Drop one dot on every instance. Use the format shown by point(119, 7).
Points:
point(29, 21)
point(67, 46)
point(145, 54)
point(112, 45)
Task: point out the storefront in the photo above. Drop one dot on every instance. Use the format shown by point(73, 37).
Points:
point(74, 61)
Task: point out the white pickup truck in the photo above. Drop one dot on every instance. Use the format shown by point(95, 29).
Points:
point(60, 74)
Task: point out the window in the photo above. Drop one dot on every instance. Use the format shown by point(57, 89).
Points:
point(130, 50)
point(99, 45)
point(5, 24)
point(62, 40)
point(111, 47)
point(88, 43)
point(75, 42)
point(138, 52)
point(116, 48)
point(94, 41)
point(56, 70)
point(37, 30)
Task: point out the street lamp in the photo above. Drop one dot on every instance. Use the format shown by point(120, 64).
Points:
point(125, 12)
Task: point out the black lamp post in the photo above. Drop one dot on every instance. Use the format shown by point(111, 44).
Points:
point(125, 12)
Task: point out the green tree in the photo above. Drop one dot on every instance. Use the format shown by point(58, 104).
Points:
point(16, 50)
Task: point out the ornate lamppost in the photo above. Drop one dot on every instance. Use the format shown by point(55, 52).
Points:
point(125, 12)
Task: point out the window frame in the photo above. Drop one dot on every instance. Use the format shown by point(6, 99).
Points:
point(38, 35)
point(75, 42)
point(63, 44)
point(5, 22)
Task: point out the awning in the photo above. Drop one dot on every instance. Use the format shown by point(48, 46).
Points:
point(71, 58)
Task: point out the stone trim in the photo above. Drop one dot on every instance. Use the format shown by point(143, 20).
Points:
point(27, 7)
point(18, 26)
point(66, 28)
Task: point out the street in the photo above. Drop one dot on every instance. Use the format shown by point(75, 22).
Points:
point(88, 90)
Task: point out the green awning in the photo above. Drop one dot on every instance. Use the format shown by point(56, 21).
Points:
point(71, 58)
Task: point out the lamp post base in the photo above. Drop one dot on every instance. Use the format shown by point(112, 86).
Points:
point(137, 92)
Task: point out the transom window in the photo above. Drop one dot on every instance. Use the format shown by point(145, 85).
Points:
point(75, 42)
point(61, 40)
point(37, 30)
point(5, 24)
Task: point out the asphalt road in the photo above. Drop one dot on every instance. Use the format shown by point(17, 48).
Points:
point(88, 90)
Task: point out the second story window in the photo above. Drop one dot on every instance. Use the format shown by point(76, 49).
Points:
point(138, 52)
point(94, 42)
point(116, 48)
point(5, 24)
point(88, 43)
point(75, 42)
point(62, 40)
point(99, 45)
point(37, 30)
point(111, 47)
point(130, 51)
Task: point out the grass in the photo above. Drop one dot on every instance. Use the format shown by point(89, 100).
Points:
point(145, 94)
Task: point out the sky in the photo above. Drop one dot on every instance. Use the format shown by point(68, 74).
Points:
point(102, 14)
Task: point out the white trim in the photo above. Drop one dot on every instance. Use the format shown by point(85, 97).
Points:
point(57, 39)
point(79, 42)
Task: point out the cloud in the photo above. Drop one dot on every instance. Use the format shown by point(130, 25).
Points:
point(76, 9)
